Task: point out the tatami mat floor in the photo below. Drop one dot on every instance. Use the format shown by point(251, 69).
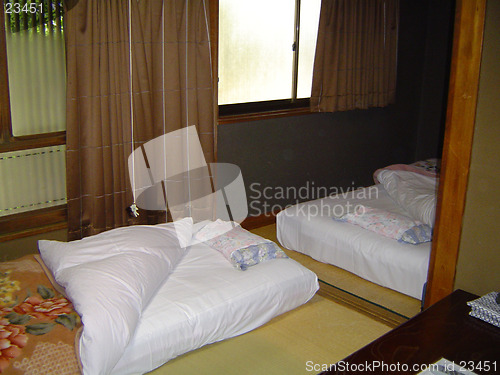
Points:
point(346, 281)
point(304, 340)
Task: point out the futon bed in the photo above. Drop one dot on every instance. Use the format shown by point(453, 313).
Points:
point(145, 294)
point(381, 233)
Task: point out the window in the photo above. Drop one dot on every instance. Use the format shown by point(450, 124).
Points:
point(33, 120)
point(266, 54)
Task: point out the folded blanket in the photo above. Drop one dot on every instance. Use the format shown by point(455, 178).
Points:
point(240, 247)
point(389, 224)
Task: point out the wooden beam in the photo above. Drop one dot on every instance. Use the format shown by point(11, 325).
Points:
point(29, 223)
point(460, 121)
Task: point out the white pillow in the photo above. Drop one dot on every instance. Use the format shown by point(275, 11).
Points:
point(110, 278)
point(414, 192)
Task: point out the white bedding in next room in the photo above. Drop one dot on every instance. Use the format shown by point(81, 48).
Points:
point(309, 228)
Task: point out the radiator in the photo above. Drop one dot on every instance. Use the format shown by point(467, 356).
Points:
point(32, 179)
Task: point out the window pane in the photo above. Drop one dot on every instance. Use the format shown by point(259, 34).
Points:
point(309, 19)
point(255, 50)
point(37, 70)
point(32, 179)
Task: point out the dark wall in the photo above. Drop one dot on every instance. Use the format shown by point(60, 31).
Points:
point(292, 159)
point(305, 152)
point(434, 92)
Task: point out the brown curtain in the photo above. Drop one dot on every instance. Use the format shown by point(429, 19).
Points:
point(356, 55)
point(171, 89)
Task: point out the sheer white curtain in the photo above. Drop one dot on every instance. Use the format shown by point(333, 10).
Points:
point(37, 81)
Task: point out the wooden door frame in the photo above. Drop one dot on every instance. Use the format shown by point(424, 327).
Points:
point(457, 148)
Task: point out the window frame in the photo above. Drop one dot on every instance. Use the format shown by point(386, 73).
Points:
point(251, 111)
point(37, 221)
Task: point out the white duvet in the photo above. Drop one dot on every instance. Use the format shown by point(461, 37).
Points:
point(206, 300)
point(145, 298)
point(413, 192)
point(110, 278)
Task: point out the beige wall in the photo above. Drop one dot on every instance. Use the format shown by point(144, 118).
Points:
point(478, 268)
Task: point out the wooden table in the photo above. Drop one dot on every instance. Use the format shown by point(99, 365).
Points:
point(443, 330)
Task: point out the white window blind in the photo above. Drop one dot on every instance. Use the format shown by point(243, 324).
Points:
point(37, 81)
point(36, 66)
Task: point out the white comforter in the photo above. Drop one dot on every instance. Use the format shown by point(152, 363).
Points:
point(110, 278)
point(206, 300)
point(146, 297)
point(413, 192)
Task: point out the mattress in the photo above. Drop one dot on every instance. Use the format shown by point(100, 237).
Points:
point(206, 300)
point(309, 228)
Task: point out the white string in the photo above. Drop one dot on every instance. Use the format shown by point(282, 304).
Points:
point(208, 37)
point(133, 207)
point(187, 112)
point(163, 102)
point(210, 176)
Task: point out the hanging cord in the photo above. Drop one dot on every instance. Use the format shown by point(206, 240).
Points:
point(209, 38)
point(163, 105)
point(187, 111)
point(133, 208)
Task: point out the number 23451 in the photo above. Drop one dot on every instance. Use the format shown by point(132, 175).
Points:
point(26, 8)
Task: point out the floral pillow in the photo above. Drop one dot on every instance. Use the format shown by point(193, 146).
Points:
point(240, 247)
point(389, 224)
